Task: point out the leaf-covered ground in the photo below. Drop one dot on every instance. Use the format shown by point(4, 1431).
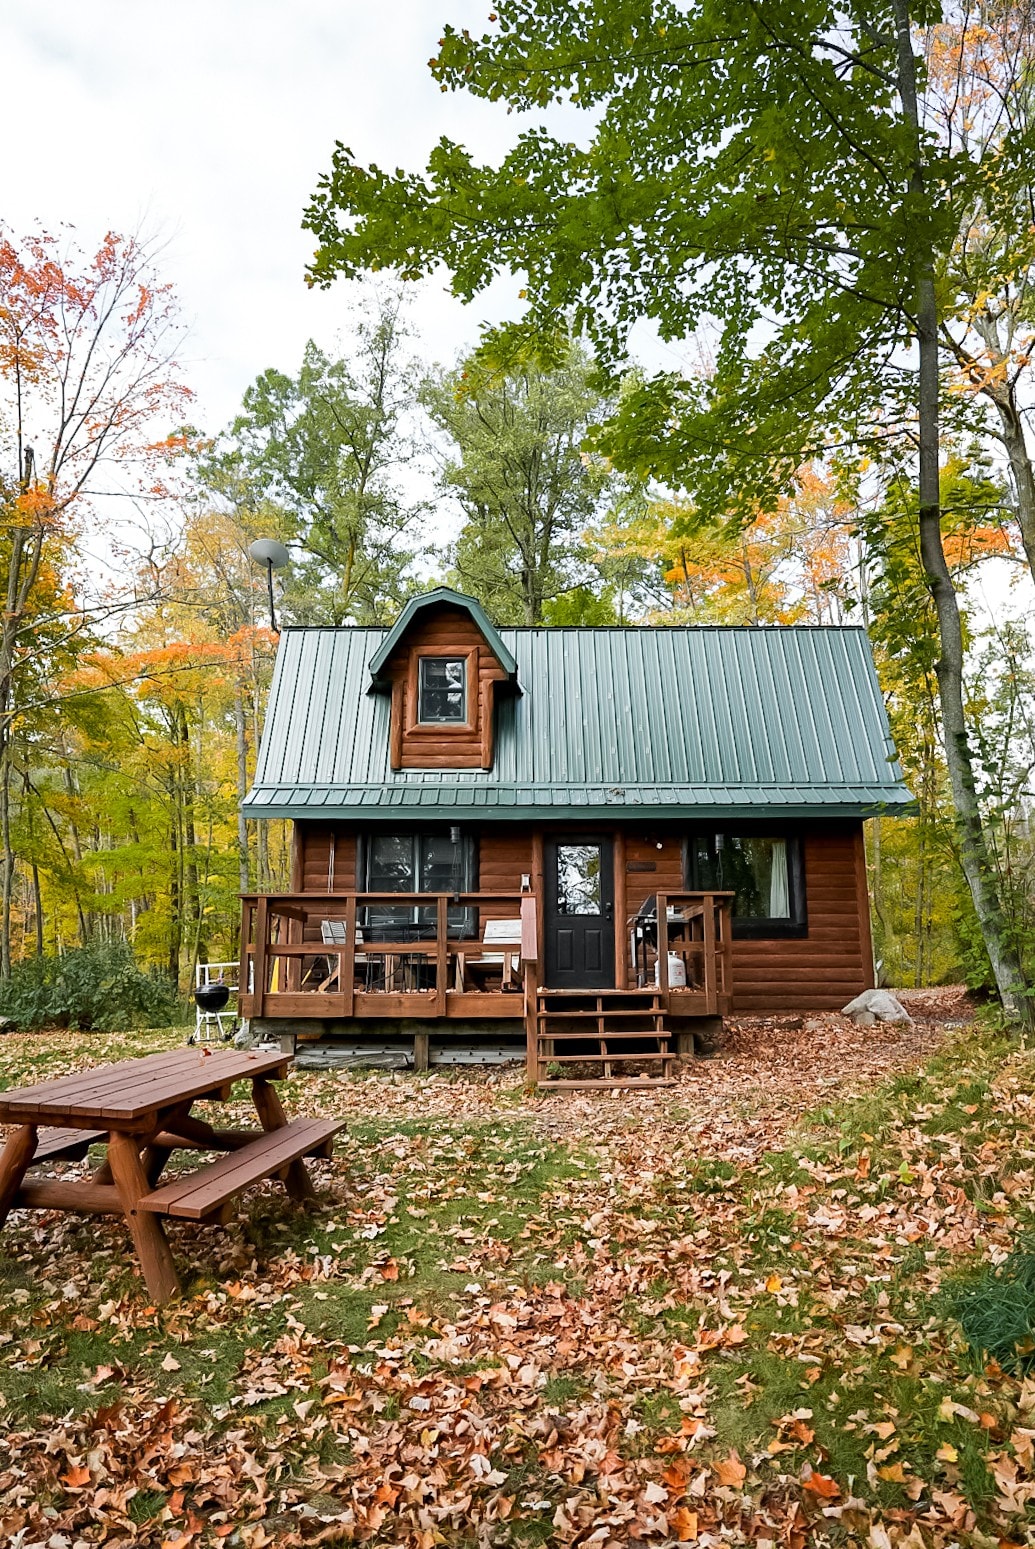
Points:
point(707, 1315)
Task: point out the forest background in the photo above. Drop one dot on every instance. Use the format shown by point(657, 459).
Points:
point(136, 649)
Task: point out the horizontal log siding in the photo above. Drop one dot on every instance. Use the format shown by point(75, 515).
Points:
point(445, 747)
point(315, 842)
point(504, 856)
point(817, 972)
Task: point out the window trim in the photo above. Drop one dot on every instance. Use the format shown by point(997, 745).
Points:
point(464, 929)
point(424, 658)
point(416, 730)
point(753, 929)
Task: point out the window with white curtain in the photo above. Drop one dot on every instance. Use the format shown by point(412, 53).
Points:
point(763, 871)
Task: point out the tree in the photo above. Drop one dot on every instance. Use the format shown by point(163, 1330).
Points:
point(86, 373)
point(527, 489)
point(322, 455)
point(916, 862)
point(790, 564)
point(980, 98)
point(762, 165)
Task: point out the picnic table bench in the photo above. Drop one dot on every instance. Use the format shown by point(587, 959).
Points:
point(141, 1109)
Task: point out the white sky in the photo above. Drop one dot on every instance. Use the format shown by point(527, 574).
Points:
point(208, 123)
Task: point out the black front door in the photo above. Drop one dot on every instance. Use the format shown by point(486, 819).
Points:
point(579, 909)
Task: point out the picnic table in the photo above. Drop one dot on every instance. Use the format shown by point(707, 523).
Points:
point(141, 1110)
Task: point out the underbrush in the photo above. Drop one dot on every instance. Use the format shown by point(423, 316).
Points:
point(99, 987)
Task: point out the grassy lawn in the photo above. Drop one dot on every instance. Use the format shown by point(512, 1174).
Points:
point(721, 1313)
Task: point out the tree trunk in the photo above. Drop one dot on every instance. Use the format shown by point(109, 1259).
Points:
point(37, 904)
point(974, 854)
point(1012, 436)
point(8, 855)
point(192, 907)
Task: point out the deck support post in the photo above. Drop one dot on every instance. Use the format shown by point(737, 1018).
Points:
point(531, 1021)
point(709, 954)
point(421, 1051)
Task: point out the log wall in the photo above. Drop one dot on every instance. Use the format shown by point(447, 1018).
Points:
point(448, 632)
point(819, 971)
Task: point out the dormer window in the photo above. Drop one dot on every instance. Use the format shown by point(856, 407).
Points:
point(442, 691)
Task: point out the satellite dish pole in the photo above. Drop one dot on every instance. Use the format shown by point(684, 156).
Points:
point(268, 552)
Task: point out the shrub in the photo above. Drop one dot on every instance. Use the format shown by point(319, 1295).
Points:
point(997, 1310)
point(100, 986)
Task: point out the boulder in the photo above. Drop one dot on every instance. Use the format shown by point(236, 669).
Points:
point(874, 1006)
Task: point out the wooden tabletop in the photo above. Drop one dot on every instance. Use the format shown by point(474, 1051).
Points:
point(135, 1090)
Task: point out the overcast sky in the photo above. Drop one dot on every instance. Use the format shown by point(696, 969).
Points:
point(208, 122)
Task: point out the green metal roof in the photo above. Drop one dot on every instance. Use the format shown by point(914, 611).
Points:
point(682, 722)
point(417, 605)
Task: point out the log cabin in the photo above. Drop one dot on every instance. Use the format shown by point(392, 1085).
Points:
point(593, 842)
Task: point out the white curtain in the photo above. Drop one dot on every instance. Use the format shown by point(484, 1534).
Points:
point(779, 886)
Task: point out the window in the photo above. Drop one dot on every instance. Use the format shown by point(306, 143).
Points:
point(442, 690)
point(417, 863)
point(578, 879)
point(763, 871)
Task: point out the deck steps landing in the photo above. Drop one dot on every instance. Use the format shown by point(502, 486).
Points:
point(610, 1035)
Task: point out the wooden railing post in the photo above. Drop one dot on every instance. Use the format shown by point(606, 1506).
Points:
point(347, 960)
point(441, 953)
point(531, 1021)
point(726, 927)
point(709, 953)
point(662, 908)
point(247, 924)
point(620, 911)
point(262, 925)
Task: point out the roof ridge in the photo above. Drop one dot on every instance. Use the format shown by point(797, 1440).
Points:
point(613, 629)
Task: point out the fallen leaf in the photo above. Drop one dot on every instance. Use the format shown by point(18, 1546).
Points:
point(820, 1484)
point(731, 1470)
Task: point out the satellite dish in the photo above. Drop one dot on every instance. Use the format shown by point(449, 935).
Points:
point(267, 551)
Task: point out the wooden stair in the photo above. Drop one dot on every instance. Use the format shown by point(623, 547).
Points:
point(607, 1031)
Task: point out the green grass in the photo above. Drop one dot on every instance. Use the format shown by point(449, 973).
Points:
point(842, 1346)
point(996, 1309)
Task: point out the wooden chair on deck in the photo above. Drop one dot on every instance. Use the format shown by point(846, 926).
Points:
point(487, 965)
point(333, 933)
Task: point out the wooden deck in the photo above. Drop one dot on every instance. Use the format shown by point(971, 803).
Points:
point(439, 968)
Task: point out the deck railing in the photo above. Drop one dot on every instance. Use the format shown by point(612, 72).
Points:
point(430, 955)
point(688, 938)
point(344, 954)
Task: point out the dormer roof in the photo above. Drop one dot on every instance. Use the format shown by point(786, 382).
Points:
point(442, 596)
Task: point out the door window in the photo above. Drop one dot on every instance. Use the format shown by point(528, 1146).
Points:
point(578, 879)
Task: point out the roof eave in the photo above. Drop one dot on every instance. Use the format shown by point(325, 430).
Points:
point(893, 805)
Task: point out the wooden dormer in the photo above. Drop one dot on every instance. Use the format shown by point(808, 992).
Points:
point(443, 664)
